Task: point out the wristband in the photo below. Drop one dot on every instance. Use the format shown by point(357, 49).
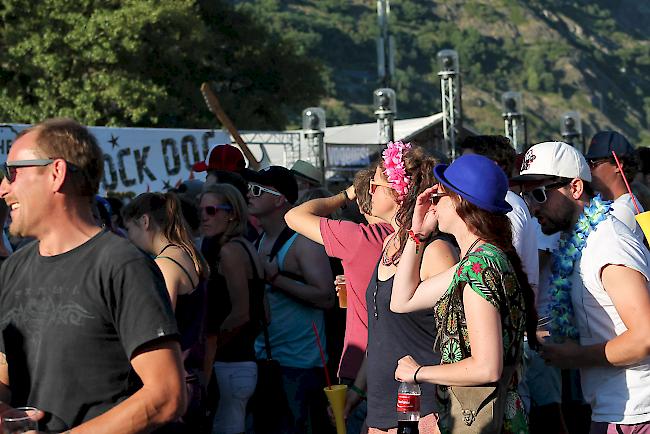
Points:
point(358, 391)
point(415, 375)
point(418, 239)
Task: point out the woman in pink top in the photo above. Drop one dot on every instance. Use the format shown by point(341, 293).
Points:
point(358, 246)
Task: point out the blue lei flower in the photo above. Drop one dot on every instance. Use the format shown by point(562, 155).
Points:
point(564, 259)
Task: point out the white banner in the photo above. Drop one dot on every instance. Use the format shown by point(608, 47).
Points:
point(141, 159)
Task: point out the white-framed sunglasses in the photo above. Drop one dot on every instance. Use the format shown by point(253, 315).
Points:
point(539, 194)
point(256, 190)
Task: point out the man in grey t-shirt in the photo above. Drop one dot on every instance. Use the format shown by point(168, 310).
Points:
point(88, 334)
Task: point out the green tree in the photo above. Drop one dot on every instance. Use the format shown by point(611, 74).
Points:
point(141, 62)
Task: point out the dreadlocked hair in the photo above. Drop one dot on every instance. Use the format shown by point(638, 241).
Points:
point(419, 167)
point(496, 230)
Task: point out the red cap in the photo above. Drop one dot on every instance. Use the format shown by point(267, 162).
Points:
point(222, 157)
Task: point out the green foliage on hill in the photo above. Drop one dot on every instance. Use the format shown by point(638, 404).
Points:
point(587, 55)
point(141, 62)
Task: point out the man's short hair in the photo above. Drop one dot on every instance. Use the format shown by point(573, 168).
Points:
point(68, 139)
point(496, 148)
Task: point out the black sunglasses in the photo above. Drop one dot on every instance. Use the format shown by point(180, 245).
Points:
point(435, 197)
point(211, 210)
point(539, 194)
point(595, 162)
point(8, 168)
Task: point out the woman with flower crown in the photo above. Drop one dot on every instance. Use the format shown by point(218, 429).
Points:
point(483, 304)
point(404, 172)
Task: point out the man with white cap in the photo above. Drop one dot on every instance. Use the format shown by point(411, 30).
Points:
point(598, 290)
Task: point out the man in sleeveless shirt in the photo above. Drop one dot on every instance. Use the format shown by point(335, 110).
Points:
point(88, 334)
point(299, 287)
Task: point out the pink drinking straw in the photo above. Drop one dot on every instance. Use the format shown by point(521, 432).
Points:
point(618, 163)
point(322, 356)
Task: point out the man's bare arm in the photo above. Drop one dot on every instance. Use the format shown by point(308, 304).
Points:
point(628, 290)
point(5, 391)
point(162, 398)
point(315, 268)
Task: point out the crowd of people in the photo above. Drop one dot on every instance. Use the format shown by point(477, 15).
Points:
point(512, 289)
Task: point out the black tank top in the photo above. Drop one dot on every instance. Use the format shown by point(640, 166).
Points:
point(392, 336)
point(190, 317)
point(240, 348)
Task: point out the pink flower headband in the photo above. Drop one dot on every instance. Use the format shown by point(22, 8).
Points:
point(394, 167)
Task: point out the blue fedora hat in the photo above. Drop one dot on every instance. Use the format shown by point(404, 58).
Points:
point(478, 180)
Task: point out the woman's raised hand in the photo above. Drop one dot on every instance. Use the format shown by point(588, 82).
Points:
point(425, 219)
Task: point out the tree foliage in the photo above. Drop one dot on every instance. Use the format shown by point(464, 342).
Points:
point(141, 62)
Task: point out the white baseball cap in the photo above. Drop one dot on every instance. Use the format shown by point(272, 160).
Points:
point(551, 159)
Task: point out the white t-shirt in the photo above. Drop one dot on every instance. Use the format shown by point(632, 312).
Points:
point(623, 209)
point(524, 237)
point(616, 394)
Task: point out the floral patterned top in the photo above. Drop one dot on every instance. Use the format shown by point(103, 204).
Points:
point(488, 272)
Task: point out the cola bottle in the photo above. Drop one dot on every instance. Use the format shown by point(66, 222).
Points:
point(408, 408)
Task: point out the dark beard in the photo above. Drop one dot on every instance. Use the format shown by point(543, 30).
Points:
point(560, 223)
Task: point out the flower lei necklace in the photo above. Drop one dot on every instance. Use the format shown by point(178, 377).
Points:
point(394, 167)
point(564, 259)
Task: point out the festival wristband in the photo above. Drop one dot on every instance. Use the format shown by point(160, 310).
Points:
point(358, 391)
point(415, 375)
point(417, 239)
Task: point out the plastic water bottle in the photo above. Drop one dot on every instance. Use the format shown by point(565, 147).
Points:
point(408, 408)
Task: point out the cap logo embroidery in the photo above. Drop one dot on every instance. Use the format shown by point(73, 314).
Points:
point(528, 160)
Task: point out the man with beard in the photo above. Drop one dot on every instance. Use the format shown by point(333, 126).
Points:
point(598, 287)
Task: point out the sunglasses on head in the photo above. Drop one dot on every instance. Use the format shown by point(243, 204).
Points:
point(257, 190)
point(211, 210)
point(8, 168)
point(539, 194)
point(374, 184)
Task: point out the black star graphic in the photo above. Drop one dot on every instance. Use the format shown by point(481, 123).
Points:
point(113, 141)
point(167, 185)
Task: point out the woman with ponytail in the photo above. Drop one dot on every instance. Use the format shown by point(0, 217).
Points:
point(155, 223)
point(483, 305)
point(235, 304)
point(404, 172)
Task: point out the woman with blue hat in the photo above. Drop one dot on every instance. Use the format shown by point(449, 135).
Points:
point(483, 304)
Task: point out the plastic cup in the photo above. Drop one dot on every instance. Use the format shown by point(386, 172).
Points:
point(342, 291)
point(19, 421)
point(643, 220)
point(336, 397)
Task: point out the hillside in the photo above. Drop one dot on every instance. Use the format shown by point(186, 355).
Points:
point(592, 56)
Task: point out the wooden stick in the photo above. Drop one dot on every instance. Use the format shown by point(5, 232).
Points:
point(215, 107)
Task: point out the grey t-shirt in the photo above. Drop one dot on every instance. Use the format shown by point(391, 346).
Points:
point(71, 323)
